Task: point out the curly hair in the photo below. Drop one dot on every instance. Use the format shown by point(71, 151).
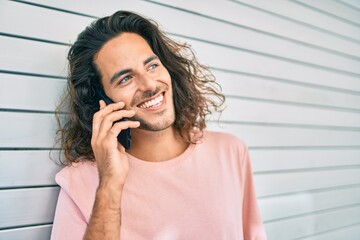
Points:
point(195, 92)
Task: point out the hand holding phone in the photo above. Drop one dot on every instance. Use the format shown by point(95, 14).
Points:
point(124, 137)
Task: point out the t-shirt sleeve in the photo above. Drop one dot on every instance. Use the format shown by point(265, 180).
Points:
point(253, 227)
point(69, 222)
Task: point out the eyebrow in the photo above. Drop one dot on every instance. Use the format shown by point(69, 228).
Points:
point(122, 72)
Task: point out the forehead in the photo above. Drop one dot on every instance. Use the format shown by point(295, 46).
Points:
point(122, 51)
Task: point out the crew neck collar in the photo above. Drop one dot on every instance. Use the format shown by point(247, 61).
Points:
point(139, 162)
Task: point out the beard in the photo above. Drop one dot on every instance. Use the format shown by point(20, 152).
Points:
point(163, 123)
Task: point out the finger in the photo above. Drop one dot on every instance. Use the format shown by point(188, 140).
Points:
point(95, 127)
point(121, 126)
point(102, 104)
point(115, 116)
point(108, 121)
point(107, 109)
point(104, 110)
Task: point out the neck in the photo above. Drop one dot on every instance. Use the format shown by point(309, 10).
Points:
point(156, 146)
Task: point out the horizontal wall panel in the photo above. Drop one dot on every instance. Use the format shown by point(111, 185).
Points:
point(354, 4)
point(292, 182)
point(268, 112)
point(27, 130)
point(269, 24)
point(351, 232)
point(31, 168)
point(46, 30)
point(32, 93)
point(37, 131)
point(98, 9)
point(294, 159)
point(312, 224)
point(59, 19)
point(300, 15)
point(276, 136)
point(262, 88)
point(243, 38)
point(27, 206)
point(42, 232)
point(307, 202)
point(334, 8)
point(22, 55)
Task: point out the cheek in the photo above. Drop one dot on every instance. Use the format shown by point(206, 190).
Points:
point(122, 96)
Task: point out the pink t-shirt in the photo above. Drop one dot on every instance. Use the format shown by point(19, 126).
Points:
point(205, 193)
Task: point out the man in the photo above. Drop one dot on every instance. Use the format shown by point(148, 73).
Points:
point(176, 181)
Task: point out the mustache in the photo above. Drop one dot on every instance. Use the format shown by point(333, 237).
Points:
point(145, 95)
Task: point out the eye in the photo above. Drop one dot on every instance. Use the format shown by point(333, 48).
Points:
point(153, 66)
point(124, 79)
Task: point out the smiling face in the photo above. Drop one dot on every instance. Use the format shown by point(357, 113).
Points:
point(132, 73)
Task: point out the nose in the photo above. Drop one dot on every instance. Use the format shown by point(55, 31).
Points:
point(147, 83)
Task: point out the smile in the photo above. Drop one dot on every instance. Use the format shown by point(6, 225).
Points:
point(153, 103)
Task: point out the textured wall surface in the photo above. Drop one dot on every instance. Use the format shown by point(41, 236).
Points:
point(291, 74)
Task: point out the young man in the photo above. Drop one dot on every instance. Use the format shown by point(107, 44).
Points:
point(176, 181)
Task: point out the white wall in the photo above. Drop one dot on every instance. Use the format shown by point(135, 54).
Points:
point(290, 71)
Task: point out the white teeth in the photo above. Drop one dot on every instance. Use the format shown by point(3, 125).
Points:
point(152, 103)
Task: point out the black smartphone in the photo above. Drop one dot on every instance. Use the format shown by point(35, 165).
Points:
point(124, 136)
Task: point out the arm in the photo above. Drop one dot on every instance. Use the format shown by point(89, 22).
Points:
point(113, 167)
point(105, 219)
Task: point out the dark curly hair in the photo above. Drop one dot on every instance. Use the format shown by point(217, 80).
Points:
point(195, 92)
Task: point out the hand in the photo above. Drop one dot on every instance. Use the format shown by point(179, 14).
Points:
point(112, 162)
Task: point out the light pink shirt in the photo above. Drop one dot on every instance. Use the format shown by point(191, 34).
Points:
point(205, 193)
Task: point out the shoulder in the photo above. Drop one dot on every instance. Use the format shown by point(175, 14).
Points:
point(223, 150)
point(224, 144)
point(80, 181)
point(80, 175)
point(223, 139)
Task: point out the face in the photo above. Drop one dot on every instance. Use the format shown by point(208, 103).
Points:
point(132, 73)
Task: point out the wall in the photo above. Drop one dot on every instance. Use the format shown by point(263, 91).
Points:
point(290, 71)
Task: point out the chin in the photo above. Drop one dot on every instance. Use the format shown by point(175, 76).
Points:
point(161, 125)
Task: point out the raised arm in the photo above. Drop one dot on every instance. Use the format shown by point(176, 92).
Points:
point(113, 167)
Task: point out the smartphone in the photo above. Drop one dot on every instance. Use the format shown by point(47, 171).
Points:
point(124, 137)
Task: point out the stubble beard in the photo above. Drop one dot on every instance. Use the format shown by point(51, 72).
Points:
point(162, 124)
